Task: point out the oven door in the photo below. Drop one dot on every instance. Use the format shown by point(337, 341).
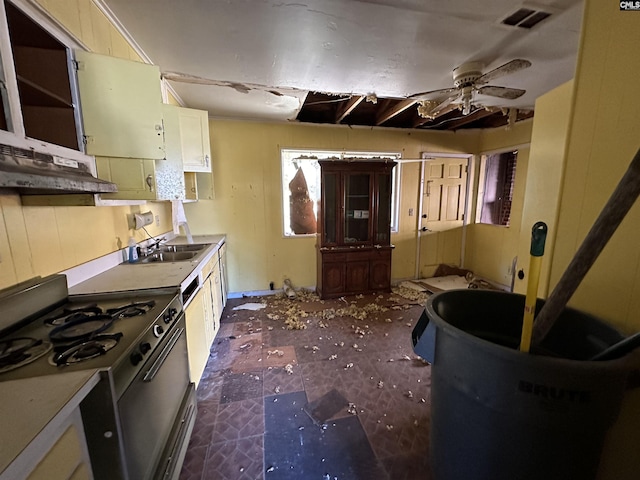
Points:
point(153, 404)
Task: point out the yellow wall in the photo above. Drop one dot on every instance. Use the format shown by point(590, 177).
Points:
point(543, 180)
point(247, 207)
point(603, 136)
point(490, 249)
point(38, 241)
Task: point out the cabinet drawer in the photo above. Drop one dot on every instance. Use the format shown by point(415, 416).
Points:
point(334, 257)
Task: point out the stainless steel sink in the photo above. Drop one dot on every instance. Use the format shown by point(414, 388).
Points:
point(192, 247)
point(162, 256)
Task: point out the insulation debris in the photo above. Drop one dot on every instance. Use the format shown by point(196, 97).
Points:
point(333, 357)
point(352, 409)
point(250, 306)
point(410, 293)
point(288, 368)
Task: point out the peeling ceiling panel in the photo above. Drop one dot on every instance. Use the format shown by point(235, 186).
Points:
point(254, 105)
point(390, 48)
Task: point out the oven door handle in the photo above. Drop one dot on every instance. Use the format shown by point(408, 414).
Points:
point(157, 365)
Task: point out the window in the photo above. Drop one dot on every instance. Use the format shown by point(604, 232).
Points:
point(497, 177)
point(301, 188)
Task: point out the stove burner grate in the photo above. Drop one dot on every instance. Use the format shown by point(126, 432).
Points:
point(81, 329)
point(16, 352)
point(72, 314)
point(84, 349)
point(131, 309)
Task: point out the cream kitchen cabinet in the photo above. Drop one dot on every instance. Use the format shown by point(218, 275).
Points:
point(174, 180)
point(224, 282)
point(121, 107)
point(194, 140)
point(67, 458)
point(197, 344)
point(203, 315)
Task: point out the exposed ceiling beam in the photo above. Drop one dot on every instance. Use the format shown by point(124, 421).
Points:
point(394, 108)
point(472, 117)
point(345, 108)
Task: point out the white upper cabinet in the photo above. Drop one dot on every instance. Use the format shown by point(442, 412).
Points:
point(170, 177)
point(194, 135)
point(121, 107)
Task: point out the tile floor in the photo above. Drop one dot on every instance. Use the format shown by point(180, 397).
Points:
point(344, 398)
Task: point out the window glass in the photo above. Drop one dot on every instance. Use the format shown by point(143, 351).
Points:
point(301, 188)
point(499, 177)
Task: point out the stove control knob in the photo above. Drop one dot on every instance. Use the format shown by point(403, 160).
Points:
point(158, 330)
point(169, 315)
point(136, 358)
point(145, 347)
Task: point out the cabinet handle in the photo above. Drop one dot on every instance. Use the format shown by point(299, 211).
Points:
point(149, 181)
point(206, 160)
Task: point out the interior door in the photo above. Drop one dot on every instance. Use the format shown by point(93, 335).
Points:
point(443, 206)
point(443, 199)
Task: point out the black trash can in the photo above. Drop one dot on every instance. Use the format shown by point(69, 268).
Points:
point(501, 414)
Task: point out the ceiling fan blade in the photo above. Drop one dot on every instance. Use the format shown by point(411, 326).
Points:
point(506, 69)
point(501, 92)
point(432, 109)
point(433, 94)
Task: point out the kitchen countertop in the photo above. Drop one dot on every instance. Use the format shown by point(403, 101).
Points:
point(126, 276)
point(32, 408)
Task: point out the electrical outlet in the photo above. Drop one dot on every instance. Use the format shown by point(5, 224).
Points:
point(157, 220)
point(411, 212)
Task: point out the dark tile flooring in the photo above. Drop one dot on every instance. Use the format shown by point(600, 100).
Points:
point(344, 398)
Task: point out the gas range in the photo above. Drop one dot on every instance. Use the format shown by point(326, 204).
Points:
point(137, 340)
point(106, 331)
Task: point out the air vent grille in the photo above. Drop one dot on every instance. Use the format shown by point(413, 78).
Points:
point(12, 151)
point(525, 18)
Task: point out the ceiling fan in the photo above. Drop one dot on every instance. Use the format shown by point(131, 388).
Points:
point(468, 80)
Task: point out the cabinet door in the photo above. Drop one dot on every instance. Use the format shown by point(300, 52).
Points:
point(208, 311)
point(382, 226)
point(357, 276)
point(331, 211)
point(333, 277)
point(121, 102)
point(135, 177)
point(380, 271)
point(197, 347)
point(170, 179)
point(194, 135)
point(357, 208)
point(223, 273)
point(216, 289)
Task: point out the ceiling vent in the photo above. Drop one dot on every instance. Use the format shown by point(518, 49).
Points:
point(526, 17)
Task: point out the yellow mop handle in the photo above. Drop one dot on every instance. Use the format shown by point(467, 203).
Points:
point(530, 303)
point(538, 237)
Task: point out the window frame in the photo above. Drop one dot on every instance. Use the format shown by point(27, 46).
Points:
point(309, 154)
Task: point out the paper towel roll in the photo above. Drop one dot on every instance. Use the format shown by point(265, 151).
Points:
point(179, 218)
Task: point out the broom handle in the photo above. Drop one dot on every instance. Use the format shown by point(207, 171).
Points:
point(620, 202)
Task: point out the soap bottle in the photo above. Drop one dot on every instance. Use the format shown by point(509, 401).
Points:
point(133, 251)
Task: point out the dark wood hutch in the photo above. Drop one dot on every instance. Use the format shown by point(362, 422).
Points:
point(354, 227)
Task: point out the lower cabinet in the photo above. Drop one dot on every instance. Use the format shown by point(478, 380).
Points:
point(349, 271)
point(197, 345)
point(203, 318)
point(67, 458)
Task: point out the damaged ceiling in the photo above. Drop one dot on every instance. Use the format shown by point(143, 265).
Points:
point(356, 62)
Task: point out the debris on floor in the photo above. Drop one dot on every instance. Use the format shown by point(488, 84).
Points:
point(288, 289)
point(250, 306)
